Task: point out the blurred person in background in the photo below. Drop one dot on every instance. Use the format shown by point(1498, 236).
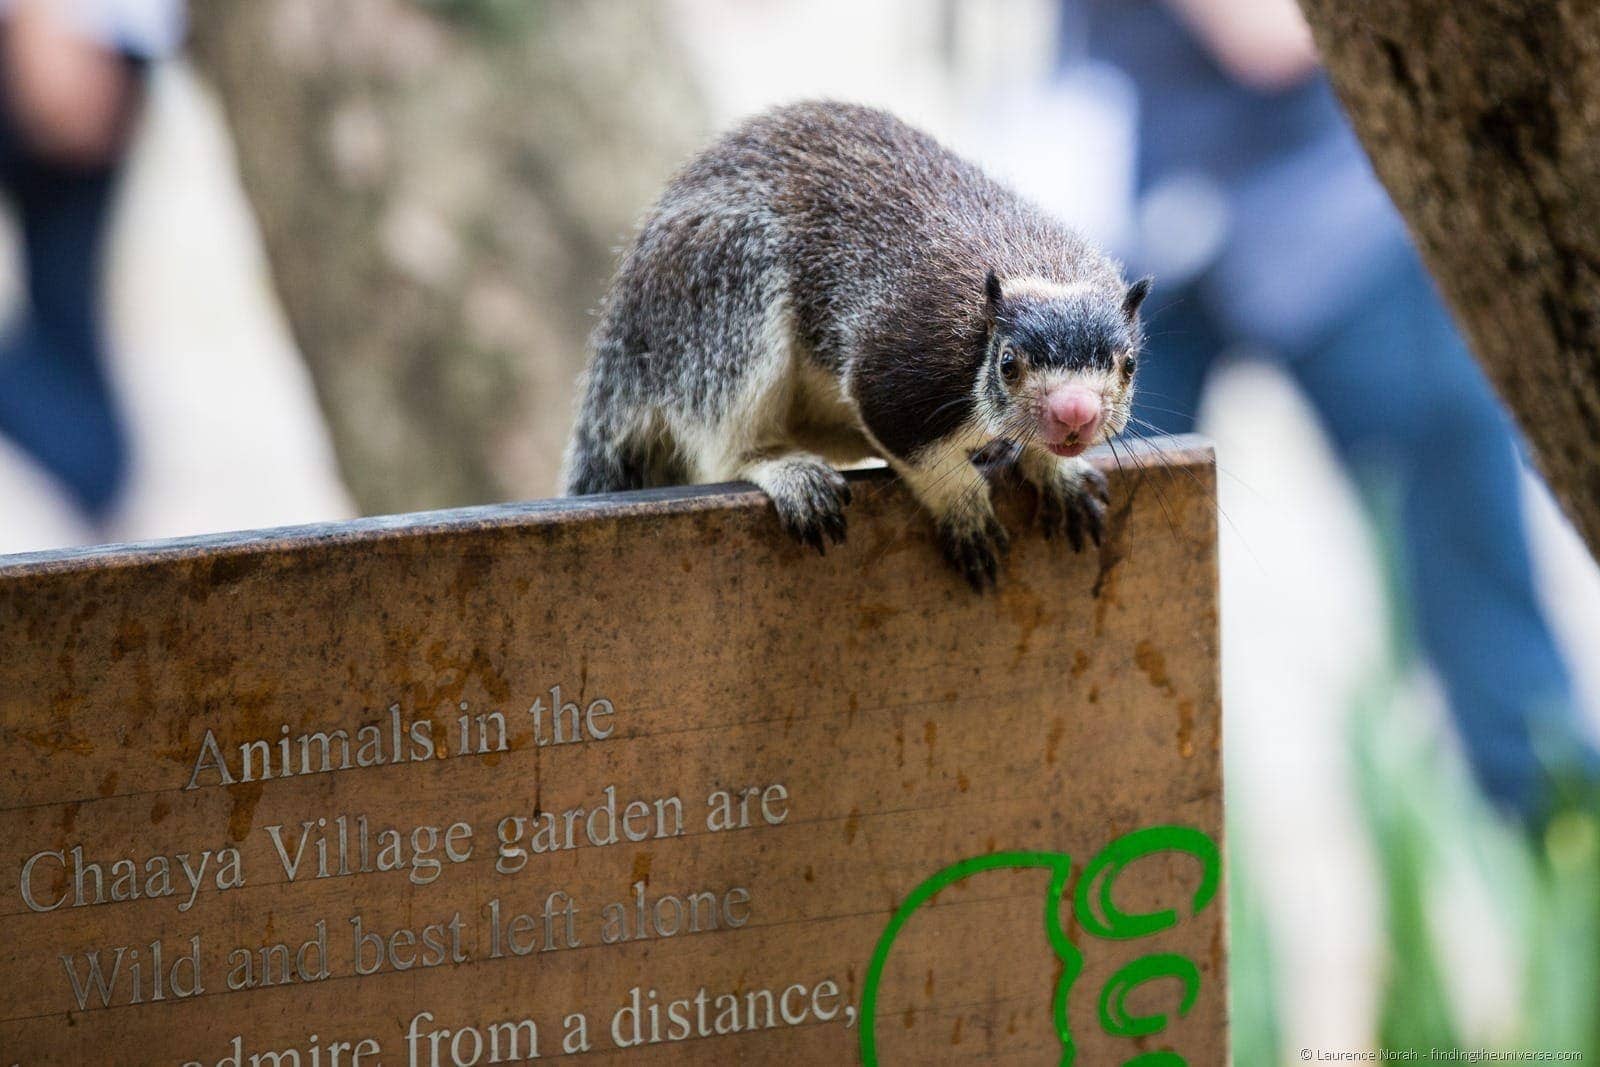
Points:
point(1260, 217)
point(72, 81)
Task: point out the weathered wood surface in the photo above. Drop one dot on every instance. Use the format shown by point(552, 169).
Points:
point(910, 724)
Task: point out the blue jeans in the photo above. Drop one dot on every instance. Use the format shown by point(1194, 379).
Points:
point(56, 401)
point(1405, 405)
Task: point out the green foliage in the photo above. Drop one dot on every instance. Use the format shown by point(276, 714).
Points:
point(1564, 936)
point(1252, 1007)
point(1430, 828)
point(1545, 886)
point(1414, 1012)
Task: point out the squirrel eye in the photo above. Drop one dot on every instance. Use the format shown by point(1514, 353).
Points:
point(1128, 366)
point(1008, 363)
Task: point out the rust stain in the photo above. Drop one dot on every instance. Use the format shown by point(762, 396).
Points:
point(245, 799)
point(472, 571)
point(1154, 665)
point(641, 869)
point(130, 637)
point(159, 810)
point(930, 734)
point(225, 570)
point(1080, 663)
point(1150, 660)
point(1027, 610)
point(962, 784)
point(453, 672)
point(1052, 741)
point(60, 740)
point(910, 1018)
point(178, 753)
point(810, 875)
point(108, 784)
point(872, 616)
point(247, 711)
point(955, 1034)
point(927, 987)
point(851, 825)
point(1115, 547)
point(890, 539)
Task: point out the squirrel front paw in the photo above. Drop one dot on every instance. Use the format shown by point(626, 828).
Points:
point(975, 548)
point(1072, 503)
point(810, 497)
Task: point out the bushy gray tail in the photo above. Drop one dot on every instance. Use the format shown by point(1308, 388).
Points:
point(598, 462)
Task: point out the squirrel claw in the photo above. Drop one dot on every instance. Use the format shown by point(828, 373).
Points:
point(1074, 507)
point(976, 551)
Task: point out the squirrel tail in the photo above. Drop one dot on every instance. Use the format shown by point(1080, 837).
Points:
point(602, 456)
point(596, 466)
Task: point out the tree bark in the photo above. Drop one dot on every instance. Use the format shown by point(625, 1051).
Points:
point(1483, 119)
point(440, 186)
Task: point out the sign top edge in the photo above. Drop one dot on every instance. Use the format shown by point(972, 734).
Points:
point(1181, 450)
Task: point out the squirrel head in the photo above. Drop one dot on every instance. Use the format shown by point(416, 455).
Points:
point(1059, 361)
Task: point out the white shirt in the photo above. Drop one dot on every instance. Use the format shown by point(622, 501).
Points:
point(149, 29)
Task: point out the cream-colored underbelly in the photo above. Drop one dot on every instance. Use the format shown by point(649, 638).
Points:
point(822, 419)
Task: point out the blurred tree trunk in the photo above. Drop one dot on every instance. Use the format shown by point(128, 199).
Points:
point(441, 186)
point(1483, 119)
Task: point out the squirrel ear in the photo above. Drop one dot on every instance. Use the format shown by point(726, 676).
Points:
point(991, 289)
point(1135, 296)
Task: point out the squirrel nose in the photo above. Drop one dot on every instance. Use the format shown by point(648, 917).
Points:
point(1075, 408)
